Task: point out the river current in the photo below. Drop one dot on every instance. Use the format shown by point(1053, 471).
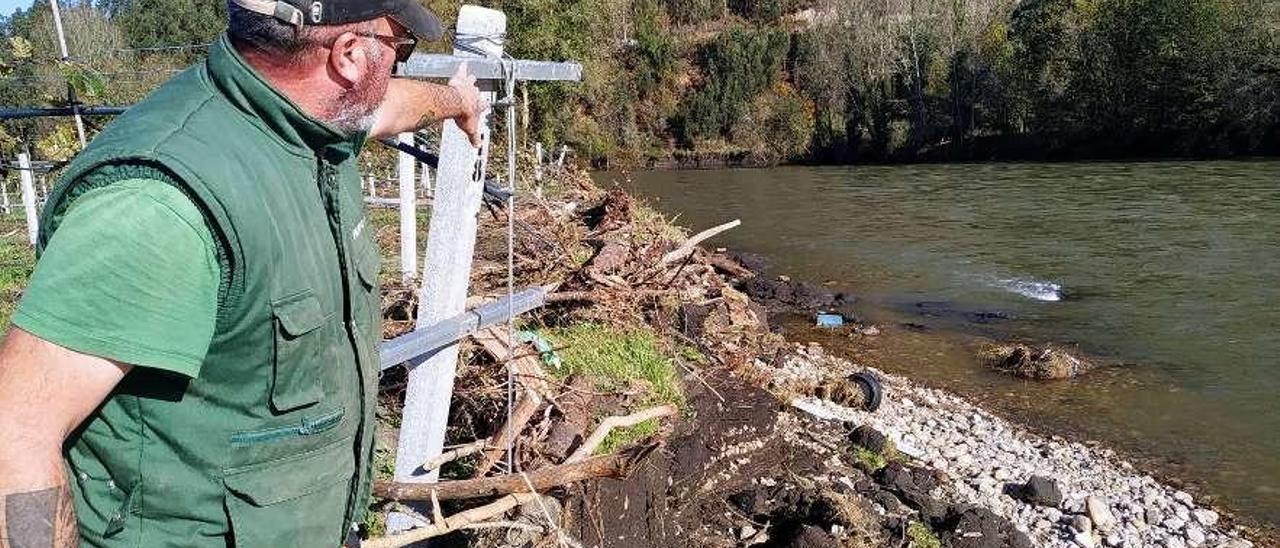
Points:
point(1169, 272)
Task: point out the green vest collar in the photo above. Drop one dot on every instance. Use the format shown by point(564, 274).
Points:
point(248, 91)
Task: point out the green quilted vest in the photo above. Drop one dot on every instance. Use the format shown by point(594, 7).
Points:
point(271, 445)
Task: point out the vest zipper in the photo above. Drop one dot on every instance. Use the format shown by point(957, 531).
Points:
point(306, 427)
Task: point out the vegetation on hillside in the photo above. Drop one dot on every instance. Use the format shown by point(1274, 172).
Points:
point(768, 81)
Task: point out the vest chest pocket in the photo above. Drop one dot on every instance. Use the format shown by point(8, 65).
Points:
point(298, 364)
point(295, 501)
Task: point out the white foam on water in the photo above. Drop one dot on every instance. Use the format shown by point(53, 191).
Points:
point(1032, 289)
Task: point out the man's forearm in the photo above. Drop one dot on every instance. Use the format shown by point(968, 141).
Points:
point(411, 105)
point(44, 518)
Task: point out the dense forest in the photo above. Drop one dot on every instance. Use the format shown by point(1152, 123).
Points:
point(768, 81)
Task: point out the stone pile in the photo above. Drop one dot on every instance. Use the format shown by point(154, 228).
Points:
point(1060, 493)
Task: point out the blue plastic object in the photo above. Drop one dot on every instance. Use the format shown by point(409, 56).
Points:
point(830, 320)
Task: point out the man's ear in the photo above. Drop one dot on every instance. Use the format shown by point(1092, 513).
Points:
point(349, 59)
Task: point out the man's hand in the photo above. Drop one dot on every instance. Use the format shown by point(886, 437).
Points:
point(472, 106)
point(46, 391)
point(411, 105)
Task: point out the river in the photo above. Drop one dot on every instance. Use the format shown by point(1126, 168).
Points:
point(1169, 272)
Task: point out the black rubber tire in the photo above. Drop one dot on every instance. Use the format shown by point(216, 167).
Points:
point(871, 388)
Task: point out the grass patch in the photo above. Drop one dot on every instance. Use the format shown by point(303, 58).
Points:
point(17, 261)
point(920, 536)
point(867, 460)
point(620, 361)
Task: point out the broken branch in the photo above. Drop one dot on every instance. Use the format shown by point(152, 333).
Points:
point(455, 454)
point(687, 247)
point(588, 447)
point(617, 465)
point(457, 521)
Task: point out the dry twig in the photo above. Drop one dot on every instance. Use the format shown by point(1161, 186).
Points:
point(607, 425)
point(617, 465)
point(687, 247)
point(455, 522)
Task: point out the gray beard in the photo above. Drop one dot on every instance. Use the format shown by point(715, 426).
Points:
point(352, 118)
point(358, 109)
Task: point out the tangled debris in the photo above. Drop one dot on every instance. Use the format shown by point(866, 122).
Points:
point(1044, 363)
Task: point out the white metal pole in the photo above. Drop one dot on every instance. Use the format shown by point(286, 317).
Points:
point(447, 270)
point(71, 94)
point(29, 197)
point(426, 181)
point(537, 164)
point(408, 214)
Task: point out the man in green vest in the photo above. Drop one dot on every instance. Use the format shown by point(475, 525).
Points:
point(194, 362)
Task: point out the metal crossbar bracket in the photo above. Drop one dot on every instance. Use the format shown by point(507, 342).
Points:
point(423, 342)
point(434, 65)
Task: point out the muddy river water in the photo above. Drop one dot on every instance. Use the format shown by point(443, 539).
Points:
point(1170, 272)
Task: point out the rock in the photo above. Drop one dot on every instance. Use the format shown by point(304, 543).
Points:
point(1205, 517)
point(1115, 539)
point(1183, 497)
point(1040, 491)
point(1100, 513)
point(1174, 524)
point(747, 532)
point(869, 438)
point(1053, 514)
point(1085, 540)
point(968, 526)
point(1174, 542)
point(1235, 543)
point(1081, 524)
point(1153, 515)
point(1195, 536)
point(813, 537)
point(869, 331)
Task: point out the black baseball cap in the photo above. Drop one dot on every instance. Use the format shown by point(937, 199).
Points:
point(415, 17)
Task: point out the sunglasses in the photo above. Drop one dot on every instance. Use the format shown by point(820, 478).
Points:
point(404, 46)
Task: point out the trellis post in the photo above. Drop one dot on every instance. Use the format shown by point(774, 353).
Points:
point(447, 271)
point(408, 214)
point(456, 200)
point(29, 196)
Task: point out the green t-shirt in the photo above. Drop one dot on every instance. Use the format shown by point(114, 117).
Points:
point(130, 275)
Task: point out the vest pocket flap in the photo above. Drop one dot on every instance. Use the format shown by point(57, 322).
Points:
point(299, 315)
point(293, 477)
point(368, 264)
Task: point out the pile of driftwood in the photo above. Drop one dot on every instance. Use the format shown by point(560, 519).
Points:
point(607, 259)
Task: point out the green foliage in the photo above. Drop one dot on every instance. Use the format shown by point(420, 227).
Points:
point(736, 67)
point(920, 536)
point(653, 58)
point(762, 11)
point(695, 11)
point(163, 23)
point(17, 261)
point(867, 460)
point(620, 361)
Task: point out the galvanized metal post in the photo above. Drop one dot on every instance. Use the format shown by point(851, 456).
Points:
point(71, 92)
point(29, 197)
point(446, 274)
point(408, 214)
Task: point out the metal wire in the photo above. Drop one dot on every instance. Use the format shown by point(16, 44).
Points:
point(509, 79)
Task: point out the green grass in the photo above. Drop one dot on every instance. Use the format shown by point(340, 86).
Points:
point(867, 460)
point(620, 361)
point(920, 536)
point(17, 260)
